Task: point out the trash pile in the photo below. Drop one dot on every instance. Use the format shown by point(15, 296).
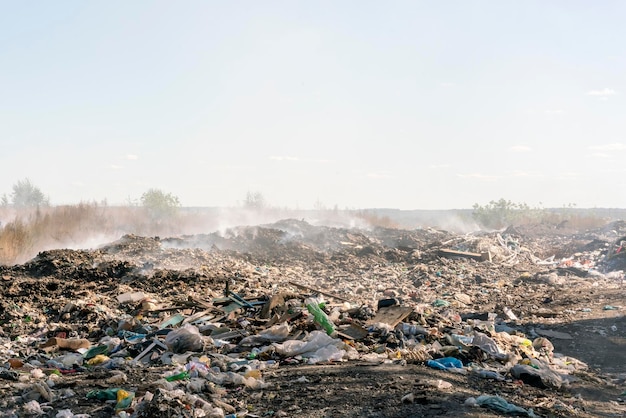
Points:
point(291, 319)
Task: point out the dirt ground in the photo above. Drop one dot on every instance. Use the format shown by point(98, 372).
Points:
point(565, 286)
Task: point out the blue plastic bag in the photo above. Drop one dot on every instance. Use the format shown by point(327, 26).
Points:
point(445, 363)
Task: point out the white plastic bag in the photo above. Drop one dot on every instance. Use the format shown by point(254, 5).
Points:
point(184, 339)
point(317, 346)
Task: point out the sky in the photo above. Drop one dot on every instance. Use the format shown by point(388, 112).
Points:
point(355, 104)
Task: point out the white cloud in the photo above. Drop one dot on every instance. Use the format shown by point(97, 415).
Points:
point(131, 157)
point(520, 148)
point(602, 93)
point(554, 112)
point(616, 146)
point(600, 155)
point(283, 158)
point(116, 167)
point(439, 166)
point(478, 176)
point(446, 84)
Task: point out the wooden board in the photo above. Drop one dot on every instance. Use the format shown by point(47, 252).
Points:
point(353, 332)
point(463, 254)
point(391, 315)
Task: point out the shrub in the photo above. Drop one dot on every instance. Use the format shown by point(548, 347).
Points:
point(159, 204)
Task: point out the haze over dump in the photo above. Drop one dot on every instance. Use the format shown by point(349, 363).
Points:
point(411, 105)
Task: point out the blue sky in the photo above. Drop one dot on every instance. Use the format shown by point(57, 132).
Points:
point(402, 104)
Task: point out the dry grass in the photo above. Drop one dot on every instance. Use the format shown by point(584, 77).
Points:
point(29, 231)
point(375, 220)
point(15, 240)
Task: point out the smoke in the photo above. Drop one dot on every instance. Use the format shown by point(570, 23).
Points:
point(89, 226)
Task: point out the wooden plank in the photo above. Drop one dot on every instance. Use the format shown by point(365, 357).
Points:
point(444, 252)
point(391, 315)
point(202, 303)
point(196, 316)
point(353, 332)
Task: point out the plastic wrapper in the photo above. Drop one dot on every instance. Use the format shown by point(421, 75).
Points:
point(499, 404)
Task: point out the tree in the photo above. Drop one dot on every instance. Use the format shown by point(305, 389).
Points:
point(254, 200)
point(25, 194)
point(160, 204)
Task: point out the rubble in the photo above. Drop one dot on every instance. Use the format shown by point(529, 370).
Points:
point(291, 319)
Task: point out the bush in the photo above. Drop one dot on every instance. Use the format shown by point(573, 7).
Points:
point(159, 204)
point(497, 214)
point(502, 213)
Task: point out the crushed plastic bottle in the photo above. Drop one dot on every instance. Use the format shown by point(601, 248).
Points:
point(410, 329)
point(178, 376)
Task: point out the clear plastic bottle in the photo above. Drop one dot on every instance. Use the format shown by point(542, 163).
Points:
point(411, 329)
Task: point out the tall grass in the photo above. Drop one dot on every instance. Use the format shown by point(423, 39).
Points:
point(85, 225)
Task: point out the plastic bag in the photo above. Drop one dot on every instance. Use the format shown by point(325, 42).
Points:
point(328, 353)
point(499, 404)
point(445, 363)
point(124, 398)
point(309, 345)
point(488, 345)
point(184, 339)
point(541, 376)
point(276, 333)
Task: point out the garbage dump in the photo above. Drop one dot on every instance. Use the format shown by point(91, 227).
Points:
point(295, 320)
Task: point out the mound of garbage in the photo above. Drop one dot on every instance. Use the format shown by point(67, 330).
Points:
point(293, 319)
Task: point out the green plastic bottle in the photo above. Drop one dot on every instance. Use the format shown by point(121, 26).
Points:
point(180, 376)
point(320, 316)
